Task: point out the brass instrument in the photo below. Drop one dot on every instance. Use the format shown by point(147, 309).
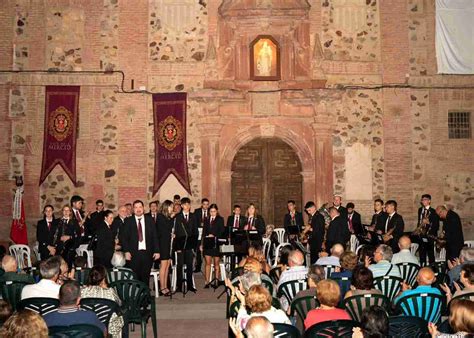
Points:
point(304, 235)
point(424, 225)
point(388, 236)
point(439, 240)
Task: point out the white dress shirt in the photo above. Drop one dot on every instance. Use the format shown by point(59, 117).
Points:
point(44, 288)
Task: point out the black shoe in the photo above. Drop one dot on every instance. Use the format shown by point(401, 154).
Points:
point(192, 289)
point(221, 283)
point(206, 286)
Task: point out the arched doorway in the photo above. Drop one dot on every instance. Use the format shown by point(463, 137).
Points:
point(267, 172)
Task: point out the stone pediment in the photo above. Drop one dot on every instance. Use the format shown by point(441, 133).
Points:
point(264, 7)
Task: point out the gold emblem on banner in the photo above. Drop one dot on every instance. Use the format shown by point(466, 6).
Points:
point(171, 133)
point(60, 123)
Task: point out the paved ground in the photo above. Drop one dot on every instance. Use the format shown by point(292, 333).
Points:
point(199, 315)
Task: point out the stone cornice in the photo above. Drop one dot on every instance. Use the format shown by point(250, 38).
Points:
point(44, 79)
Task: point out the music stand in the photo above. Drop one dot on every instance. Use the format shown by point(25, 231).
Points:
point(182, 244)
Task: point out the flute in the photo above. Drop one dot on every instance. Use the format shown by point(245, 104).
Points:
point(172, 236)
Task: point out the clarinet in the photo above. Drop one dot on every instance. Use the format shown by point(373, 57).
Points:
point(172, 236)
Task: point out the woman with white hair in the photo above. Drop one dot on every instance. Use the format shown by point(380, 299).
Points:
point(118, 259)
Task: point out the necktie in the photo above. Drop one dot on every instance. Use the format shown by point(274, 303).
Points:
point(49, 226)
point(78, 216)
point(140, 234)
point(186, 218)
point(388, 221)
point(212, 220)
point(351, 229)
point(236, 222)
point(154, 217)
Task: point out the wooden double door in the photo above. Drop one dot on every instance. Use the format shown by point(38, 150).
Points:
point(267, 172)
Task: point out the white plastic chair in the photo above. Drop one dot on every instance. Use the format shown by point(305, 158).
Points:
point(354, 243)
point(280, 234)
point(36, 251)
point(358, 249)
point(267, 244)
point(21, 253)
point(414, 248)
point(441, 256)
point(222, 271)
point(277, 253)
point(156, 276)
point(81, 250)
point(469, 244)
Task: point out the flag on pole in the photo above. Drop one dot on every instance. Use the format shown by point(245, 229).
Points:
point(18, 231)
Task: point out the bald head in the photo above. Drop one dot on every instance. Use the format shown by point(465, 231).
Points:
point(337, 250)
point(426, 276)
point(442, 211)
point(9, 264)
point(404, 242)
point(295, 258)
point(259, 327)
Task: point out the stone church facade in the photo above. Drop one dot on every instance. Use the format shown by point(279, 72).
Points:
point(359, 102)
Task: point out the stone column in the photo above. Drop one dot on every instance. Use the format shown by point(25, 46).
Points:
point(225, 193)
point(323, 158)
point(308, 187)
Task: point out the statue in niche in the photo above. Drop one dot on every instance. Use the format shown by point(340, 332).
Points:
point(265, 59)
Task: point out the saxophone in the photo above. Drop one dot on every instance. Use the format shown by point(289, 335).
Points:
point(424, 225)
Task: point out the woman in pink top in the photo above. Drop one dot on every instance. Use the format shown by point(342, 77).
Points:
point(328, 294)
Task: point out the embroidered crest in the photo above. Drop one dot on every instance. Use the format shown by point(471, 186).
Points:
point(171, 133)
point(60, 123)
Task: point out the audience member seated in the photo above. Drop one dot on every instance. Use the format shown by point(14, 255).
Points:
point(466, 256)
point(252, 265)
point(64, 273)
point(366, 252)
point(256, 251)
point(118, 259)
point(244, 283)
point(283, 260)
point(362, 283)
point(467, 279)
point(425, 278)
point(48, 286)
point(24, 324)
point(461, 320)
point(382, 257)
point(328, 294)
point(258, 301)
point(80, 262)
point(336, 251)
point(10, 267)
point(296, 271)
point(69, 312)
point(374, 323)
point(404, 255)
point(97, 288)
point(257, 327)
point(5, 311)
point(348, 262)
point(272, 236)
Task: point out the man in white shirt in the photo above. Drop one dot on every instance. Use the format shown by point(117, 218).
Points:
point(404, 255)
point(296, 271)
point(336, 251)
point(383, 267)
point(47, 287)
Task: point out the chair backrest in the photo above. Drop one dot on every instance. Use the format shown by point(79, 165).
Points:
point(409, 271)
point(439, 267)
point(469, 244)
point(82, 250)
point(280, 234)
point(441, 278)
point(358, 249)
point(427, 306)
point(302, 305)
point(34, 272)
point(468, 295)
point(103, 308)
point(81, 275)
point(407, 326)
point(76, 331)
point(278, 251)
point(267, 243)
point(116, 274)
point(135, 296)
point(267, 282)
point(331, 328)
point(389, 285)
point(36, 251)
point(285, 331)
point(414, 248)
point(441, 255)
point(328, 269)
point(291, 288)
point(22, 254)
point(39, 305)
point(354, 305)
point(11, 292)
point(275, 274)
point(354, 243)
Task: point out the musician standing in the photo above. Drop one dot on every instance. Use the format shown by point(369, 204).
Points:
point(293, 218)
point(106, 245)
point(316, 231)
point(236, 221)
point(394, 226)
point(428, 223)
point(338, 232)
point(119, 223)
point(77, 203)
point(165, 228)
point(69, 236)
point(140, 242)
point(452, 228)
point(213, 231)
point(254, 220)
point(354, 222)
point(337, 203)
point(95, 219)
point(202, 215)
point(186, 237)
point(153, 213)
point(45, 230)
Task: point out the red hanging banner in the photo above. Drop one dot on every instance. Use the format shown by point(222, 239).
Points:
point(169, 115)
point(60, 126)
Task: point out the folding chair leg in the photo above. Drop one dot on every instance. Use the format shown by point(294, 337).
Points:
point(153, 323)
point(143, 325)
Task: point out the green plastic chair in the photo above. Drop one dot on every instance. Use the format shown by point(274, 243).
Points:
point(344, 285)
point(116, 274)
point(354, 305)
point(81, 275)
point(11, 292)
point(281, 330)
point(103, 308)
point(291, 288)
point(409, 272)
point(441, 278)
point(137, 303)
point(328, 270)
point(427, 306)
point(407, 326)
point(268, 284)
point(331, 328)
point(439, 267)
point(40, 305)
point(301, 306)
point(389, 285)
point(275, 274)
point(75, 331)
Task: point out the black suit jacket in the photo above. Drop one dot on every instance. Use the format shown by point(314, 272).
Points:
point(396, 221)
point(454, 236)
point(130, 236)
point(317, 235)
point(258, 223)
point(379, 221)
point(198, 216)
point(342, 212)
point(117, 226)
point(217, 228)
point(70, 228)
point(242, 221)
point(186, 232)
point(298, 220)
point(356, 223)
point(45, 236)
point(105, 242)
point(156, 216)
point(434, 221)
point(337, 232)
